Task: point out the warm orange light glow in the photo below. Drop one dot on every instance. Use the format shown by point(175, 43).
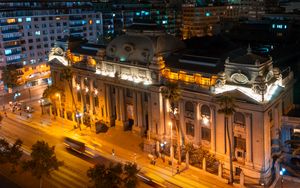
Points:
point(11, 20)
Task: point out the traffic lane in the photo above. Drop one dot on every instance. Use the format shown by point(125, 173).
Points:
point(74, 162)
point(5, 182)
point(25, 94)
point(29, 136)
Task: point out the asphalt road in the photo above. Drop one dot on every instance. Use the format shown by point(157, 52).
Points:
point(73, 173)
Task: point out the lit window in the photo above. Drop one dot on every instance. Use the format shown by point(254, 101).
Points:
point(11, 20)
point(57, 18)
point(28, 19)
point(7, 52)
point(164, 22)
point(137, 13)
point(90, 22)
point(98, 21)
point(114, 14)
point(19, 19)
point(207, 14)
point(37, 33)
point(273, 26)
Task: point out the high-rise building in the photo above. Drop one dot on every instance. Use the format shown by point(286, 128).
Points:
point(198, 21)
point(28, 29)
point(118, 15)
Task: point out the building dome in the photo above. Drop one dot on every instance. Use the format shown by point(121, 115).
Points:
point(142, 46)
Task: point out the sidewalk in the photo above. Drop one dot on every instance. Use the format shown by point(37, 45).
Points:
point(126, 147)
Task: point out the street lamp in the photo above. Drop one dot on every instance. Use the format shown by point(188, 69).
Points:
point(171, 147)
point(282, 171)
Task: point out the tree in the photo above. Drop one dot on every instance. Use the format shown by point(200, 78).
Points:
point(114, 175)
point(43, 161)
point(67, 75)
point(227, 107)
point(102, 176)
point(130, 171)
point(9, 76)
point(10, 154)
point(50, 93)
point(172, 92)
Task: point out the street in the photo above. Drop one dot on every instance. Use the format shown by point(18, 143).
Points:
point(73, 174)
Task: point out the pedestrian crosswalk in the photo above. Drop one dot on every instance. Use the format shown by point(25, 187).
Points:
point(66, 177)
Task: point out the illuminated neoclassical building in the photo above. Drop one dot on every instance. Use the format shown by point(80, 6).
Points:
point(120, 84)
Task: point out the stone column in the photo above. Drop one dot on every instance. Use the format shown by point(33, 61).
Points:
point(117, 101)
point(181, 123)
point(122, 106)
point(213, 127)
point(220, 170)
point(108, 103)
point(139, 110)
point(198, 124)
point(135, 113)
point(204, 164)
point(149, 115)
point(248, 138)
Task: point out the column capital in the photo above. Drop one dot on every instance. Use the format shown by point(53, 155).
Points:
point(248, 114)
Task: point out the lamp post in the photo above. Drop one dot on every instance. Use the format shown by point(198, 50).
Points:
point(171, 147)
point(282, 171)
point(41, 101)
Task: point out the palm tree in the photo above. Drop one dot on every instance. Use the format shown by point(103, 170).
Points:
point(172, 92)
point(130, 171)
point(227, 107)
point(50, 93)
point(67, 74)
point(103, 176)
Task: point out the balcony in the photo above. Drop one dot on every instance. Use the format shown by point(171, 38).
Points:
point(11, 38)
point(14, 53)
point(77, 25)
point(76, 31)
point(10, 31)
point(5, 23)
point(11, 46)
point(75, 18)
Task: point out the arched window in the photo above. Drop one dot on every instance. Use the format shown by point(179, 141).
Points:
point(189, 106)
point(205, 111)
point(239, 118)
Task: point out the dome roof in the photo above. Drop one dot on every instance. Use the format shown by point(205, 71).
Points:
point(142, 47)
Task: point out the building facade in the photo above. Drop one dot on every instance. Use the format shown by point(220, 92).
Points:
point(121, 85)
point(199, 21)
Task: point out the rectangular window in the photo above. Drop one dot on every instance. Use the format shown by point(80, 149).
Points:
point(190, 129)
point(205, 133)
point(28, 19)
point(129, 93)
point(240, 143)
point(87, 98)
point(78, 96)
point(96, 101)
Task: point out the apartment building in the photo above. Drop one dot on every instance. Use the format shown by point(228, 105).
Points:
point(198, 21)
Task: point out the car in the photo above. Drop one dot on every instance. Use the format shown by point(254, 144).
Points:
point(29, 109)
point(79, 147)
